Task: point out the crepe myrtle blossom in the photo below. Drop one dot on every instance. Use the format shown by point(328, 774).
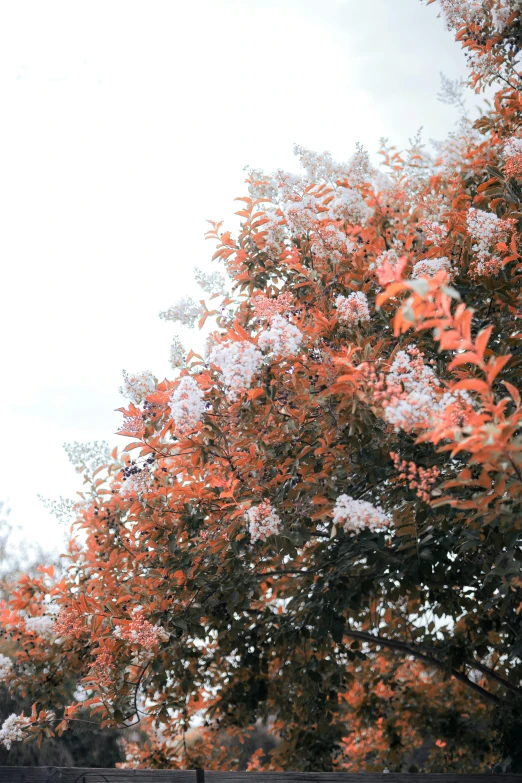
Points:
point(282, 338)
point(416, 478)
point(353, 308)
point(178, 354)
point(263, 521)
point(354, 515)
point(428, 267)
point(414, 397)
point(457, 13)
point(138, 386)
point(500, 13)
point(41, 625)
point(137, 480)
point(211, 282)
point(349, 205)
point(487, 230)
point(434, 231)
point(140, 631)
point(88, 456)
point(185, 311)
point(14, 729)
point(238, 362)
point(6, 666)
point(187, 404)
point(330, 244)
point(462, 13)
point(268, 307)
point(513, 157)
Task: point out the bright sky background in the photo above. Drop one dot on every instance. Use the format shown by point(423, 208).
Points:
point(125, 125)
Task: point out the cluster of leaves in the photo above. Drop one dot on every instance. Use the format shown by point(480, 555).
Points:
point(358, 647)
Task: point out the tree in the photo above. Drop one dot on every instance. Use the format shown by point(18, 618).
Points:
point(315, 526)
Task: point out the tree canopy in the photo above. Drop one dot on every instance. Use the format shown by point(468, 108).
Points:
point(315, 526)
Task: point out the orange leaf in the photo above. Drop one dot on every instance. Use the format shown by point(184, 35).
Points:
point(473, 384)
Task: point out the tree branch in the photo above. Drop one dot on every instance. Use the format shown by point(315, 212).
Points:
point(395, 644)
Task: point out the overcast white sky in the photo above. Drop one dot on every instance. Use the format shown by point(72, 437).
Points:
point(125, 125)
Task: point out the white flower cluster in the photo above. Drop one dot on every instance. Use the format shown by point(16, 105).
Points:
point(353, 308)
point(276, 235)
point(88, 456)
point(355, 515)
point(322, 167)
point(187, 404)
point(211, 282)
point(331, 244)
point(6, 666)
point(64, 509)
point(186, 311)
point(486, 229)
point(419, 403)
point(238, 363)
point(434, 231)
point(13, 730)
point(178, 354)
point(261, 185)
point(263, 521)
point(453, 153)
point(349, 205)
point(41, 625)
point(137, 387)
point(283, 338)
point(501, 12)
point(513, 147)
point(301, 214)
point(458, 13)
point(428, 267)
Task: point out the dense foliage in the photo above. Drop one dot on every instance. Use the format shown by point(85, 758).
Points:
point(316, 525)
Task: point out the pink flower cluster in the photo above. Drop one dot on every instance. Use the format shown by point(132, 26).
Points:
point(282, 338)
point(420, 479)
point(141, 632)
point(187, 404)
point(102, 668)
point(353, 308)
point(263, 521)
point(69, 622)
point(267, 307)
point(354, 515)
point(238, 363)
